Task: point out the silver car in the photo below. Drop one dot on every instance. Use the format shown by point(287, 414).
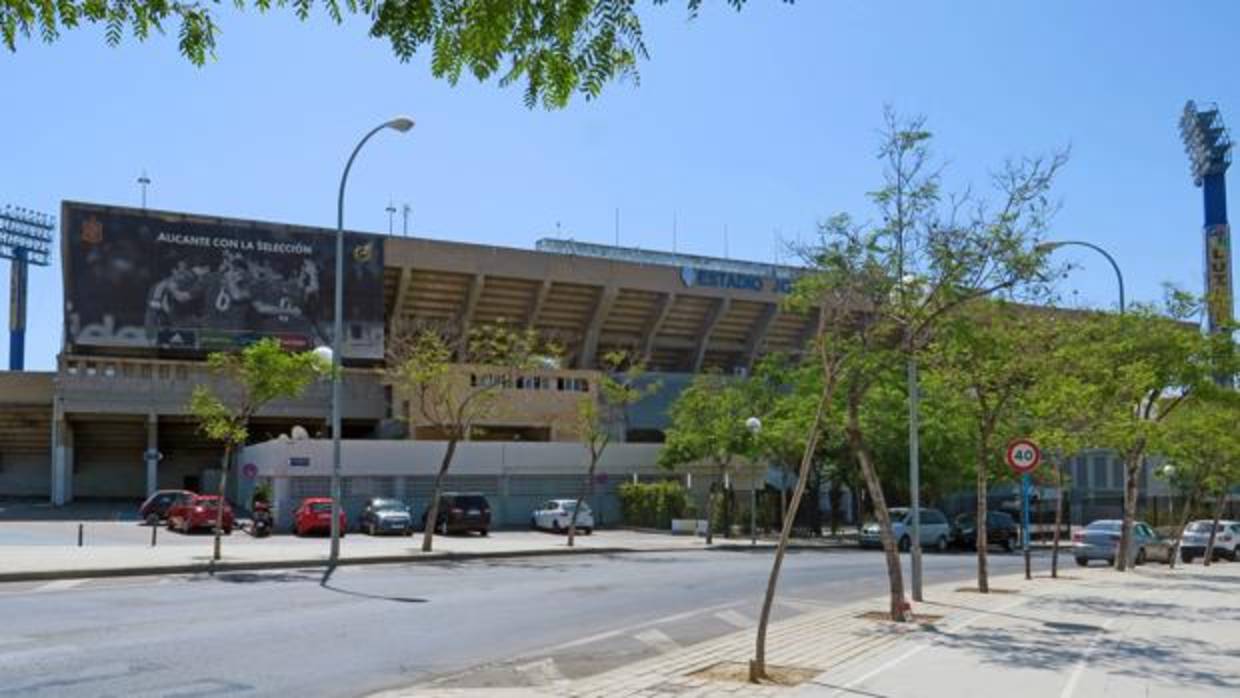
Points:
point(386, 515)
point(1100, 541)
point(1197, 536)
point(935, 530)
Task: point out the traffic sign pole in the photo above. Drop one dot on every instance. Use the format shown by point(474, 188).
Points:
point(1024, 520)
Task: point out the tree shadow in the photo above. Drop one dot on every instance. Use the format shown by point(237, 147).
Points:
point(325, 583)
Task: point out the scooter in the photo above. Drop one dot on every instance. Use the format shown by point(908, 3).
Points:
point(263, 522)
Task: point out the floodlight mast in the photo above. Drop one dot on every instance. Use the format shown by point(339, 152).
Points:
point(25, 239)
point(1208, 145)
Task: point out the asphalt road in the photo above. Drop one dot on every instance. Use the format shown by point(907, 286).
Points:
point(501, 622)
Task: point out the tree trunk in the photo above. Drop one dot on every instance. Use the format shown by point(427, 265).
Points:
point(586, 489)
point(1058, 517)
point(1131, 468)
point(1218, 514)
point(895, 575)
point(981, 540)
point(432, 512)
point(1179, 529)
point(219, 507)
point(757, 667)
point(710, 509)
point(835, 494)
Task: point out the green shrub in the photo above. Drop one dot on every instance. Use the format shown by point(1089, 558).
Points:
point(652, 504)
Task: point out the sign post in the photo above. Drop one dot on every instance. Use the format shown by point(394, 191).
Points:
point(1024, 456)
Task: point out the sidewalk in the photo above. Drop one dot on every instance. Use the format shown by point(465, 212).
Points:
point(1094, 632)
point(37, 550)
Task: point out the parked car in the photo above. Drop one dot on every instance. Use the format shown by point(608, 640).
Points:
point(461, 512)
point(155, 508)
point(1100, 541)
point(935, 531)
point(1197, 536)
point(556, 515)
point(190, 512)
point(386, 515)
point(314, 515)
point(1001, 530)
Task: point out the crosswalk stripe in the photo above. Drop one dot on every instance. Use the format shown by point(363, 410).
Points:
point(543, 672)
point(735, 618)
point(657, 639)
point(60, 585)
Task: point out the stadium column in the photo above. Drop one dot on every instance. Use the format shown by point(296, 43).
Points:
point(152, 453)
point(708, 328)
point(602, 308)
point(62, 458)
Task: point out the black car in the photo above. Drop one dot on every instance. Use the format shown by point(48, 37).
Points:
point(386, 515)
point(155, 509)
point(1000, 530)
point(461, 512)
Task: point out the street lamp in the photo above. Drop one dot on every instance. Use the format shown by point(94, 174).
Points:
point(401, 124)
point(1119, 276)
point(754, 425)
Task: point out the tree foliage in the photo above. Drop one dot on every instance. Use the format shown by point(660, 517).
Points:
point(558, 47)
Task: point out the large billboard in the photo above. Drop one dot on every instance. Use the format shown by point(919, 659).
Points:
point(186, 284)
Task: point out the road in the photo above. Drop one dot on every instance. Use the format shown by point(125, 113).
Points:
point(500, 622)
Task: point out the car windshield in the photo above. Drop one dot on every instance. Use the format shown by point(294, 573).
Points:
point(1202, 527)
point(470, 502)
point(321, 507)
point(206, 501)
point(898, 515)
point(390, 505)
point(569, 506)
point(1103, 526)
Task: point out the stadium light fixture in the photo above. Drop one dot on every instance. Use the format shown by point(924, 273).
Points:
point(25, 239)
point(1206, 140)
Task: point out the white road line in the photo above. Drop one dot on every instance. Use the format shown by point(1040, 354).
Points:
point(60, 585)
point(1078, 670)
point(638, 626)
point(657, 639)
point(735, 618)
point(544, 672)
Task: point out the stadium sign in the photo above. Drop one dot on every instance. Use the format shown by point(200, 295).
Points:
point(180, 284)
point(712, 278)
point(1218, 275)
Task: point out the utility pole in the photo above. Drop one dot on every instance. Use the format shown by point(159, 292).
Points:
point(144, 181)
point(391, 211)
point(405, 210)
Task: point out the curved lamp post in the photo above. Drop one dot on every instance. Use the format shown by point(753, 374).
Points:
point(401, 124)
point(1119, 276)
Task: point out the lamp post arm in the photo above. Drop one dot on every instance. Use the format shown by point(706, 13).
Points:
point(1119, 276)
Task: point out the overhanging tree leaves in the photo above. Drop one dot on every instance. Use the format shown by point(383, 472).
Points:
point(251, 378)
point(558, 47)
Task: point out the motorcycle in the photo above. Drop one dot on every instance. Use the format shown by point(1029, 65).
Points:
point(263, 521)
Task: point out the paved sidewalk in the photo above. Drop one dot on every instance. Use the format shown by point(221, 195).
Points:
point(1094, 632)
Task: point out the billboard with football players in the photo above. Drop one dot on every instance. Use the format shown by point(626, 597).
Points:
point(178, 283)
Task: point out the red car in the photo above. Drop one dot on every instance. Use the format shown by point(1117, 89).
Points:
point(314, 515)
point(193, 511)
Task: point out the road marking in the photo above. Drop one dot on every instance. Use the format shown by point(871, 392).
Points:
point(638, 626)
point(658, 640)
point(544, 672)
point(735, 618)
point(60, 585)
point(1078, 670)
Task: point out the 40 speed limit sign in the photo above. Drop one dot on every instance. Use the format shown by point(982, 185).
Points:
point(1023, 455)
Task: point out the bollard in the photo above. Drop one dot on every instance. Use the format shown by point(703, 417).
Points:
point(80, 527)
point(154, 530)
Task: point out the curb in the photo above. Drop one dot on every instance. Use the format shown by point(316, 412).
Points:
point(255, 565)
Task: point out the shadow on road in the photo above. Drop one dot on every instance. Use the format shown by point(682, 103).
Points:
point(325, 582)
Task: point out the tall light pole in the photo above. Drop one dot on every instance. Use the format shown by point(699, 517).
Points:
point(401, 124)
point(754, 425)
point(144, 182)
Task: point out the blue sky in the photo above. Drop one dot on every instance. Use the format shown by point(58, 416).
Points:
point(763, 121)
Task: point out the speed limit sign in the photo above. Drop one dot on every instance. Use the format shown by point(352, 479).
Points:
point(1023, 455)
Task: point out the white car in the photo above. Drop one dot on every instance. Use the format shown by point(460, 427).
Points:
point(556, 515)
point(935, 530)
point(1197, 536)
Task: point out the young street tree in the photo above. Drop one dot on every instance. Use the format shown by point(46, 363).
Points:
point(598, 415)
point(994, 353)
point(451, 397)
point(558, 47)
point(1203, 452)
point(886, 289)
point(250, 379)
point(708, 424)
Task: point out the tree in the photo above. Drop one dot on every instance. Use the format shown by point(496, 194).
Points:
point(253, 377)
point(597, 416)
point(708, 424)
point(885, 289)
point(452, 398)
point(993, 353)
point(559, 47)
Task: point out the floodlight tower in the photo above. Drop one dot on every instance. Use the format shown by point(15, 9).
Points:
point(1208, 145)
point(25, 239)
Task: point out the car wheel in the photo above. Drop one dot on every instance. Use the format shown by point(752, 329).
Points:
point(1082, 562)
point(443, 527)
point(588, 531)
point(1140, 557)
point(1007, 545)
point(555, 526)
point(941, 545)
point(152, 519)
point(533, 524)
point(409, 531)
point(904, 544)
point(483, 533)
point(1235, 553)
point(228, 531)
